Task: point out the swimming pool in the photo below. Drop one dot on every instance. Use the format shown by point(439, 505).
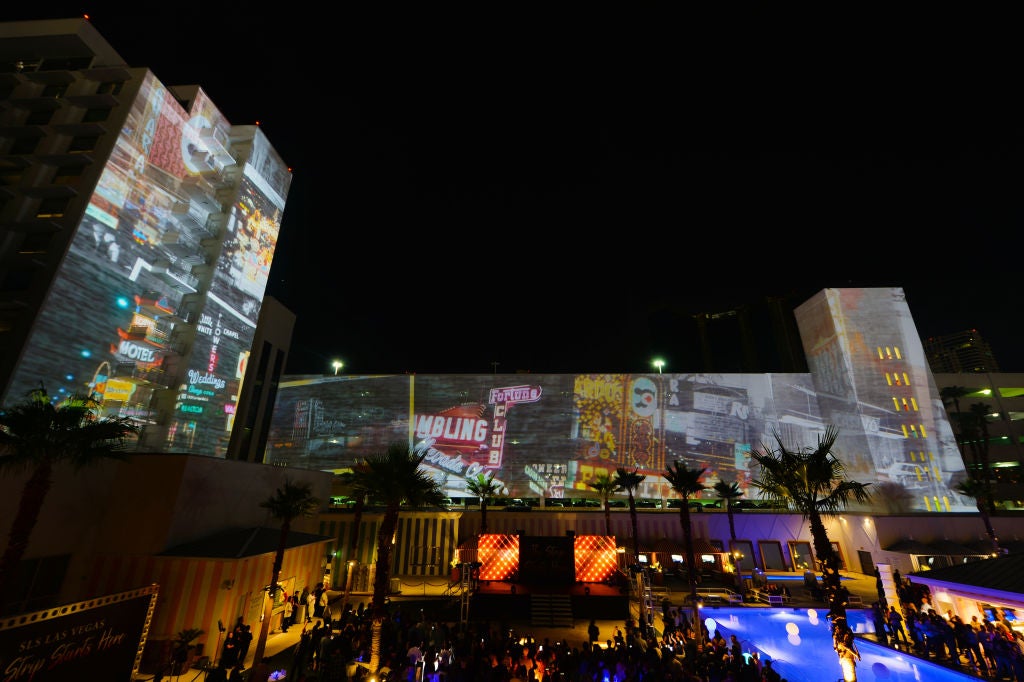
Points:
point(799, 642)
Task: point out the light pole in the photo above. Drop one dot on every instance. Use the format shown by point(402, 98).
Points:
point(337, 364)
point(659, 363)
point(351, 565)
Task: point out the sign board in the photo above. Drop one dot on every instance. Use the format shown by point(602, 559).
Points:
point(98, 639)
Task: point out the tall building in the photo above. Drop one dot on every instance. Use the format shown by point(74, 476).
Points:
point(958, 353)
point(137, 231)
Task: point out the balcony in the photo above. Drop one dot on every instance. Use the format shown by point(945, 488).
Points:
point(142, 376)
point(203, 192)
point(199, 226)
point(183, 246)
point(156, 303)
point(178, 278)
point(218, 144)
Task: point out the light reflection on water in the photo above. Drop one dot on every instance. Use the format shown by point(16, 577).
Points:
point(799, 642)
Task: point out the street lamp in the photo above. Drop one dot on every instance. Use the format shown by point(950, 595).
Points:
point(659, 363)
point(337, 364)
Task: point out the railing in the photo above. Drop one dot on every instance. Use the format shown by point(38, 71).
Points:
point(717, 594)
point(768, 598)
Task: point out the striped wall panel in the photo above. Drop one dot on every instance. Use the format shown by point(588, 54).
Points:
point(197, 592)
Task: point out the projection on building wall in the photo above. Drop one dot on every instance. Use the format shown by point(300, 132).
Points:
point(547, 435)
point(127, 318)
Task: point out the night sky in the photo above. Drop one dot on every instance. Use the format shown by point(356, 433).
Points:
point(562, 194)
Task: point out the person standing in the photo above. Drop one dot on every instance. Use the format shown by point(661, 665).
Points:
point(321, 601)
point(295, 609)
point(310, 605)
point(229, 654)
point(327, 615)
point(770, 674)
point(286, 616)
point(593, 632)
point(896, 626)
point(244, 641)
point(878, 616)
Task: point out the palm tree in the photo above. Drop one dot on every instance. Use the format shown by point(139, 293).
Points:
point(980, 449)
point(348, 482)
point(629, 481)
point(291, 501)
point(181, 647)
point(605, 484)
point(484, 487)
point(392, 477)
point(971, 432)
point(37, 436)
point(686, 482)
point(814, 482)
point(977, 490)
point(727, 492)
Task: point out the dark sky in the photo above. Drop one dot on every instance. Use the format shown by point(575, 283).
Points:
point(562, 194)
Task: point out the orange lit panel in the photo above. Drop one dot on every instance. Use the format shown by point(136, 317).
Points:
point(498, 556)
point(596, 558)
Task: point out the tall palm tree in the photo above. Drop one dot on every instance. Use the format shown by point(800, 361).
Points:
point(629, 481)
point(37, 436)
point(349, 483)
point(392, 477)
point(605, 484)
point(483, 487)
point(686, 482)
point(975, 489)
point(980, 449)
point(814, 482)
point(971, 433)
point(291, 501)
point(727, 492)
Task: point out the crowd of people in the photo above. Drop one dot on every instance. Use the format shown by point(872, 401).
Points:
point(418, 650)
point(415, 649)
point(989, 647)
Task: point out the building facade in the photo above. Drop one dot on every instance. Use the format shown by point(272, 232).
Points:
point(960, 353)
point(544, 436)
point(137, 231)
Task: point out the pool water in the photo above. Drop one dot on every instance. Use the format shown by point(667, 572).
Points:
point(799, 643)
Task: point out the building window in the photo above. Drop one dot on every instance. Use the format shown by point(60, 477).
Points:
point(83, 143)
point(40, 117)
point(67, 175)
point(35, 243)
point(52, 207)
point(110, 88)
point(16, 280)
point(55, 90)
point(10, 176)
point(95, 115)
point(26, 144)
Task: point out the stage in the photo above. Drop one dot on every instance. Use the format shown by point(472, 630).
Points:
point(517, 601)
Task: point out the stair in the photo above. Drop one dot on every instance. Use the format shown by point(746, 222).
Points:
point(551, 610)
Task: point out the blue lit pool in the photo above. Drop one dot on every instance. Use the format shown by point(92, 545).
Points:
point(799, 642)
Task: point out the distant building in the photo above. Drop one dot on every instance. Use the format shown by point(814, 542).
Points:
point(1001, 397)
point(137, 231)
point(961, 352)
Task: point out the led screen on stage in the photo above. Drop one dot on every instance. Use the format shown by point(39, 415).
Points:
point(498, 556)
point(596, 558)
